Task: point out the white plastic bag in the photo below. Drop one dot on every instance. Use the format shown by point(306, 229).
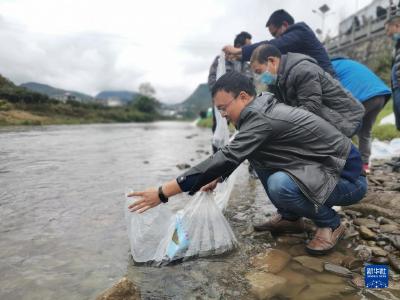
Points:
point(221, 134)
point(199, 229)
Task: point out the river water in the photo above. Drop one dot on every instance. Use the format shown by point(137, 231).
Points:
point(62, 226)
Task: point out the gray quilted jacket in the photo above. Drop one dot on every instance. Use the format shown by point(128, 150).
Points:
point(302, 83)
point(274, 136)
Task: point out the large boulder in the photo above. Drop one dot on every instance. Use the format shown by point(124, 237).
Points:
point(124, 289)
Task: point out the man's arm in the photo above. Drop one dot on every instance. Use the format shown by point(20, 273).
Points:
point(289, 42)
point(212, 75)
point(150, 198)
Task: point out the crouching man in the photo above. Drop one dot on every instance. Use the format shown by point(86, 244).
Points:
point(304, 163)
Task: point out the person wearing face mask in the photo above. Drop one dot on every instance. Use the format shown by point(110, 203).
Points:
point(297, 80)
point(392, 28)
point(288, 37)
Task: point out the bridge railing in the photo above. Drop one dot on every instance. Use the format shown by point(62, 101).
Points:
point(369, 29)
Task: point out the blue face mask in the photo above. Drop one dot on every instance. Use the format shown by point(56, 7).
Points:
point(267, 78)
point(396, 36)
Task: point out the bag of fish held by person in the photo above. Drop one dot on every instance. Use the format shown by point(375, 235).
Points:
point(199, 229)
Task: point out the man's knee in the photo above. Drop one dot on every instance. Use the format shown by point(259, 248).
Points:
point(281, 187)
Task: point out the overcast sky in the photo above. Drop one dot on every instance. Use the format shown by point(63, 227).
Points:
point(95, 45)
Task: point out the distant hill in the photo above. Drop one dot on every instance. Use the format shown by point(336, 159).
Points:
point(199, 100)
point(56, 93)
point(123, 96)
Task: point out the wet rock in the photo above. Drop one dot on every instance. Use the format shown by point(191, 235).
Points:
point(371, 243)
point(358, 281)
point(329, 278)
point(241, 217)
point(183, 166)
point(381, 243)
point(296, 282)
point(309, 262)
point(191, 136)
point(394, 239)
point(265, 285)
point(298, 250)
point(376, 251)
point(324, 291)
point(386, 221)
point(366, 233)
point(122, 290)
point(394, 262)
point(394, 276)
point(363, 253)
point(350, 233)
point(388, 248)
point(352, 213)
point(352, 263)
point(380, 260)
point(369, 223)
point(290, 240)
point(263, 235)
point(337, 270)
point(272, 261)
point(249, 230)
point(389, 228)
point(334, 257)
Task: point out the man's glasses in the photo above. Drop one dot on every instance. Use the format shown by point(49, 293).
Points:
point(222, 108)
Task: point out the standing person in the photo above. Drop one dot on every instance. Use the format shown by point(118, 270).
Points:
point(370, 90)
point(297, 80)
point(288, 37)
point(392, 28)
point(305, 165)
point(241, 39)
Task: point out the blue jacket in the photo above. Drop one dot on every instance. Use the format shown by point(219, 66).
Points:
point(359, 80)
point(298, 38)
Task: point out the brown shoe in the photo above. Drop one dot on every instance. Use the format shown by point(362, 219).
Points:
point(276, 224)
point(325, 240)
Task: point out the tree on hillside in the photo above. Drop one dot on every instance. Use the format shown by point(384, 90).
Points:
point(147, 89)
point(146, 104)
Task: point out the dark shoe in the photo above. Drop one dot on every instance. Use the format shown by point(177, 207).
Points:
point(325, 239)
point(276, 224)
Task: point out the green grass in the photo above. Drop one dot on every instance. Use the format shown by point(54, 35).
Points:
point(206, 122)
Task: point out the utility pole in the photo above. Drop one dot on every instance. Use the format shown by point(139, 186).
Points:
point(322, 13)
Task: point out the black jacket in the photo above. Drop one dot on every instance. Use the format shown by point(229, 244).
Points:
point(298, 38)
point(274, 136)
point(302, 83)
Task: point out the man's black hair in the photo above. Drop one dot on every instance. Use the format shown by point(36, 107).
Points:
point(234, 82)
point(261, 53)
point(278, 17)
point(240, 39)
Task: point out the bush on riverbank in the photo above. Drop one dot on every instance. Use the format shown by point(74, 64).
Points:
point(71, 112)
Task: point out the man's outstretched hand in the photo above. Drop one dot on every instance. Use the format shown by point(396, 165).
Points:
point(210, 186)
point(148, 199)
point(232, 53)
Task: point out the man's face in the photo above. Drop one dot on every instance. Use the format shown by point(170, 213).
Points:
point(247, 42)
point(277, 31)
point(229, 106)
point(392, 28)
point(271, 66)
